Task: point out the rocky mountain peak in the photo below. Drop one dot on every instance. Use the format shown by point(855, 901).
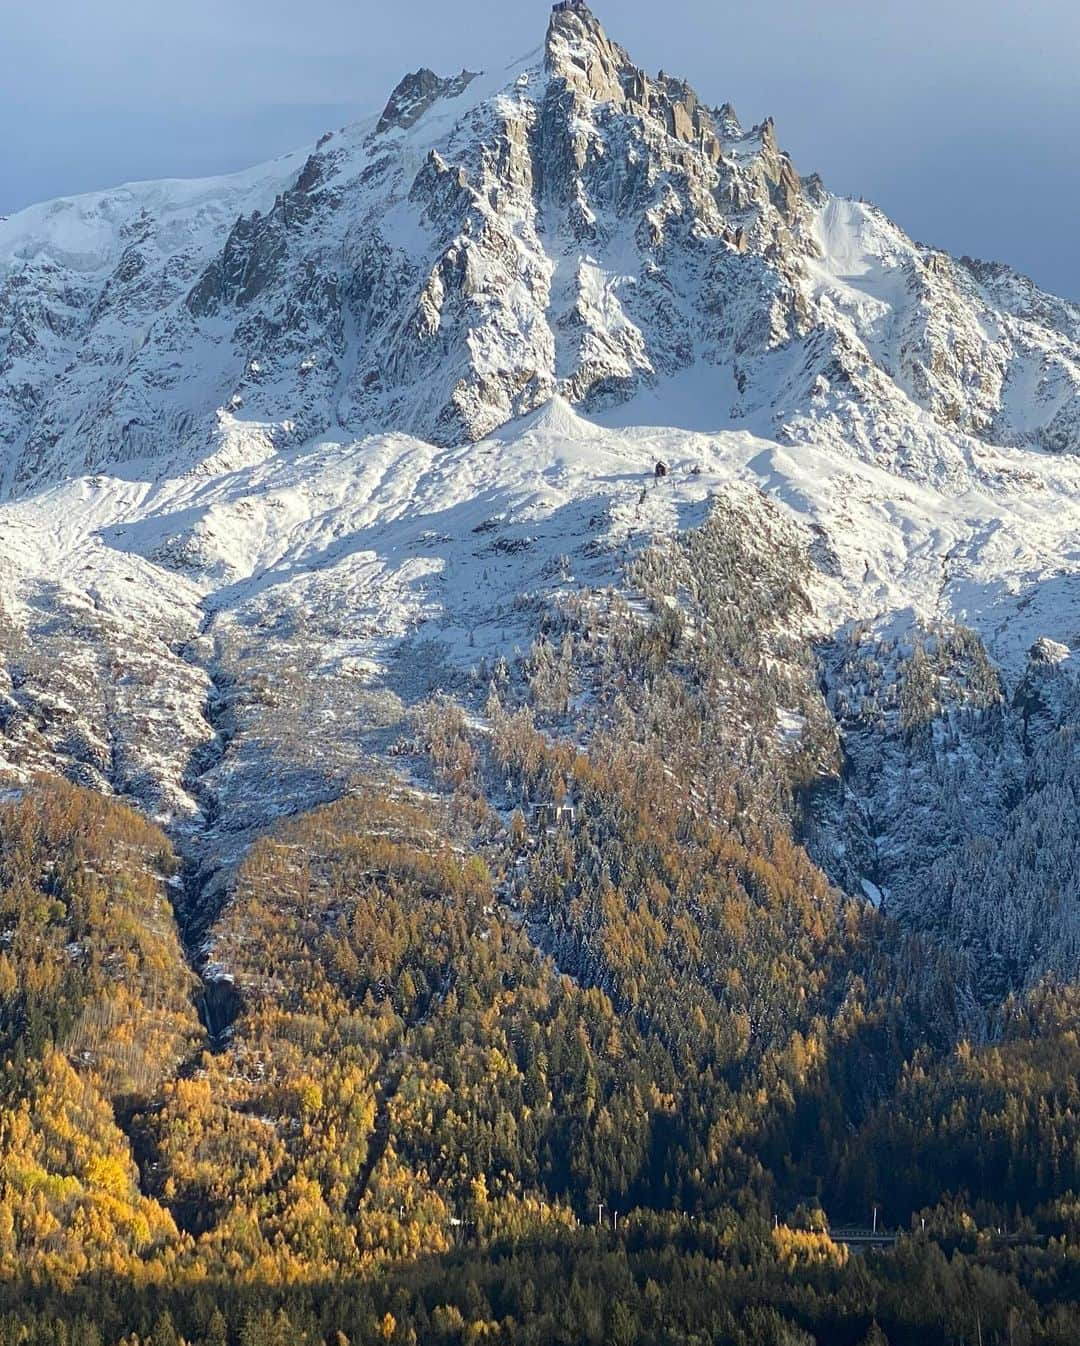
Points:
point(572, 227)
point(579, 52)
point(728, 123)
point(418, 92)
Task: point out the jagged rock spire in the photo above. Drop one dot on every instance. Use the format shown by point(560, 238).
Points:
point(580, 52)
point(728, 122)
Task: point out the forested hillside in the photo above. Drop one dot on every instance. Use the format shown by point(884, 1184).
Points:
point(574, 1045)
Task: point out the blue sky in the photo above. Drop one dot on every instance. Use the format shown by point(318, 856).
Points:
point(961, 119)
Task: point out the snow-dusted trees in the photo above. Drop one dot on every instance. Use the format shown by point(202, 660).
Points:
point(958, 805)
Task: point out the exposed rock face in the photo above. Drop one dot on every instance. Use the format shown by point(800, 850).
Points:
point(1047, 691)
point(1049, 652)
point(416, 93)
point(574, 226)
point(580, 54)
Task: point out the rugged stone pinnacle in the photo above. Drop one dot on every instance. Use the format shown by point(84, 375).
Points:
point(579, 51)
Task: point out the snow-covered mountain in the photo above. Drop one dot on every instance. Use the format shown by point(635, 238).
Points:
point(285, 452)
point(570, 226)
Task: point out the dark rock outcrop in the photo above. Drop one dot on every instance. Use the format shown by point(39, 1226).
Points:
point(416, 93)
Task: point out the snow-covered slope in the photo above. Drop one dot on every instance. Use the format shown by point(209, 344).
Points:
point(283, 453)
point(390, 565)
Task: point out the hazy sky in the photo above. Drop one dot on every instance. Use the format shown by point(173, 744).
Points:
point(960, 118)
